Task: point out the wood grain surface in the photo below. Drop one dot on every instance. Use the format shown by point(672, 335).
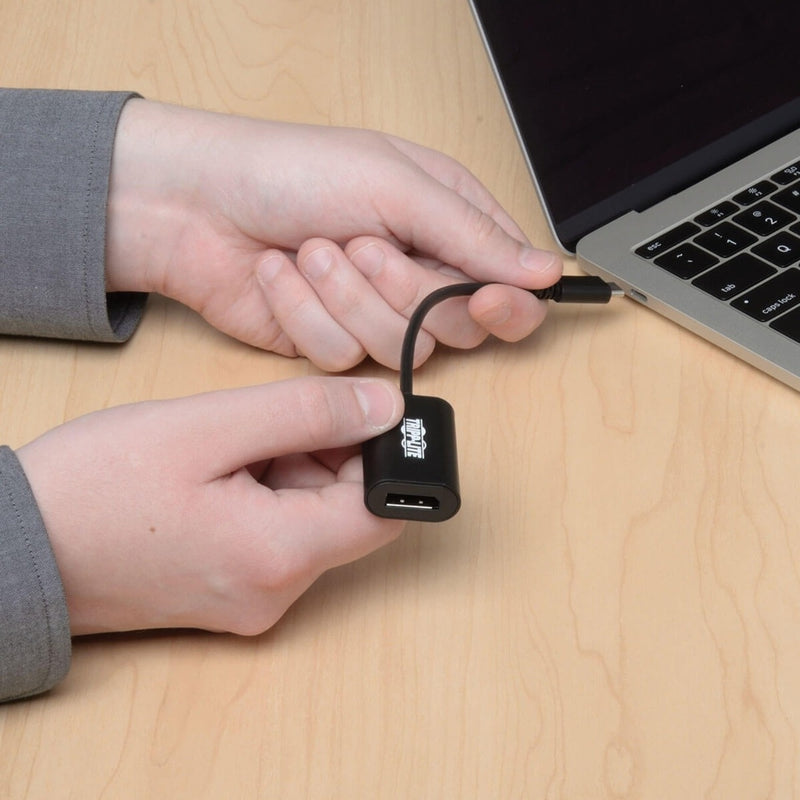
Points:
point(615, 612)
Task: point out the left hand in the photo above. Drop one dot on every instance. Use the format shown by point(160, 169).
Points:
point(312, 240)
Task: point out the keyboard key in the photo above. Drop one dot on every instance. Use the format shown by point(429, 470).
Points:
point(716, 214)
point(781, 249)
point(764, 218)
point(734, 276)
point(758, 191)
point(795, 228)
point(788, 324)
point(725, 240)
point(789, 198)
point(787, 175)
point(667, 240)
point(686, 261)
point(772, 298)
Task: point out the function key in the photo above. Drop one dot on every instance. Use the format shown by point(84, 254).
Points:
point(735, 276)
point(686, 261)
point(781, 249)
point(758, 191)
point(714, 215)
point(667, 239)
point(764, 218)
point(789, 198)
point(787, 175)
point(771, 299)
point(725, 240)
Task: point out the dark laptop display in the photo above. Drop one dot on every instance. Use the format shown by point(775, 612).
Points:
point(619, 104)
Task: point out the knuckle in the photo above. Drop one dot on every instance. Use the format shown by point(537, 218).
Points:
point(251, 624)
point(275, 340)
point(350, 302)
point(317, 408)
point(472, 337)
point(290, 573)
point(483, 227)
point(326, 406)
point(254, 623)
point(272, 587)
point(342, 358)
point(407, 295)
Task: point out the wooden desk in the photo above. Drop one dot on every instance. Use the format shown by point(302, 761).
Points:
point(614, 613)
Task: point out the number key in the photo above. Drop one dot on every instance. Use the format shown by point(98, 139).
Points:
point(686, 261)
point(764, 218)
point(725, 239)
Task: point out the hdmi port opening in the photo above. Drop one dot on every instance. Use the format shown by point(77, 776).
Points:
point(412, 501)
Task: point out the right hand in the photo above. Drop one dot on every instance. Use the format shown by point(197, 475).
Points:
point(214, 511)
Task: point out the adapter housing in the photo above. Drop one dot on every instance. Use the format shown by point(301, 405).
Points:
point(411, 471)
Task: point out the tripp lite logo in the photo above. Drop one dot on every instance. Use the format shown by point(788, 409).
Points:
point(414, 443)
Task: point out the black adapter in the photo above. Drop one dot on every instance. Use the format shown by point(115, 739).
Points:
point(411, 471)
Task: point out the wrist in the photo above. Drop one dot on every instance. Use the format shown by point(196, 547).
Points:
point(122, 270)
point(146, 209)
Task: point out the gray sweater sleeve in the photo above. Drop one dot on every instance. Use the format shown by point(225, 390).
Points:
point(55, 161)
point(34, 626)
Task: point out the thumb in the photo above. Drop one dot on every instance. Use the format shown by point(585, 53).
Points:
point(462, 235)
point(242, 426)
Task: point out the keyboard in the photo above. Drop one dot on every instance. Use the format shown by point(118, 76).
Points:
point(744, 250)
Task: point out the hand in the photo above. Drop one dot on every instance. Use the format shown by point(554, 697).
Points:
point(312, 240)
point(214, 511)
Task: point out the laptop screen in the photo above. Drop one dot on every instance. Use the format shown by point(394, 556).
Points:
point(620, 104)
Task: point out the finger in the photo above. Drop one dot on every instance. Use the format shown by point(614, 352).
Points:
point(464, 230)
point(299, 471)
point(405, 283)
point(352, 470)
point(506, 312)
point(350, 299)
point(510, 312)
point(303, 317)
point(332, 525)
point(309, 470)
point(233, 428)
point(454, 175)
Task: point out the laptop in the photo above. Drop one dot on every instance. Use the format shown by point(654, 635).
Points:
point(665, 148)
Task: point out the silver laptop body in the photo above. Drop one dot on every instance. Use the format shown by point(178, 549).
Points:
point(715, 249)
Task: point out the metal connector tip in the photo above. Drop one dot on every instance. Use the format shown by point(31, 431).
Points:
point(616, 291)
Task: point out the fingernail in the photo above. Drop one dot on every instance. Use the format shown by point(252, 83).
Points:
point(378, 403)
point(369, 259)
point(496, 316)
point(317, 263)
point(269, 268)
point(537, 260)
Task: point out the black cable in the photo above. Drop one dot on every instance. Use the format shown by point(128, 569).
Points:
point(570, 289)
point(411, 471)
